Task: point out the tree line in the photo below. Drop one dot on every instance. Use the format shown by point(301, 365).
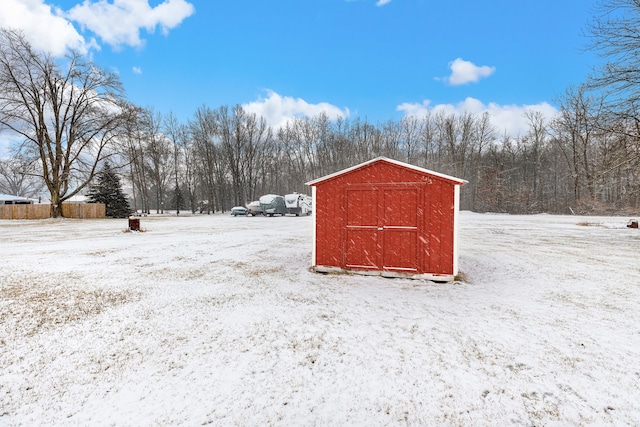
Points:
point(582, 161)
point(71, 117)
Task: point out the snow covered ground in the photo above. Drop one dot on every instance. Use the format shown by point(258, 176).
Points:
point(218, 320)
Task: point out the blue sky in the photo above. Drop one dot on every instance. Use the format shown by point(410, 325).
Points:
point(373, 59)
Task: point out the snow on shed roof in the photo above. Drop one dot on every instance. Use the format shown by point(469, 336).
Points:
point(455, 180)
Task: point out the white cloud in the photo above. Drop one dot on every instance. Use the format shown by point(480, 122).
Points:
point(463, 72)
point(382, 2)
point(277, 110)
point(509, 119)
point(119, 23)
point(42, 26)
point(137, 70)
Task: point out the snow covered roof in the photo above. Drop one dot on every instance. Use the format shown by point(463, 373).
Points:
point(78, 198)
point(455, 180)
point(10, 198)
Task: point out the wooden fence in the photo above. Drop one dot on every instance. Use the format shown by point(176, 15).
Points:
point(43, 211)
point(83, 210)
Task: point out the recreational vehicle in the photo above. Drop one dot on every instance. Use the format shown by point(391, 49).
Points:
point(272, 204)
point(298, 204)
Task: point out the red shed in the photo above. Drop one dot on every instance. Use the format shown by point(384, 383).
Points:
point(387, 218)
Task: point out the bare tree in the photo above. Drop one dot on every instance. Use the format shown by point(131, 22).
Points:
point(158, 156)
point(68, 115)
point(410, 132)
point(390, 136)
point(455, 136)
point(232, 141)
point(427, 147)
point(615, 36)
point(17, 177)
point(290, 142)
point(190, 172)
point(211, 162)
point(485, 136)
point(133, 151)
point(361, 138)
point(258, 138)
point(177, 134)
point(536, 139)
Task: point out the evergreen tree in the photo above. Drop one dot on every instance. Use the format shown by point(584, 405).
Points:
point(108, 190)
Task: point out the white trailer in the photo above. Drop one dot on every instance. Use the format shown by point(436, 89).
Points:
point(298, 204)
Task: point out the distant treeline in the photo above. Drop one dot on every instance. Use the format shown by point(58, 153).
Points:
point(578, 162)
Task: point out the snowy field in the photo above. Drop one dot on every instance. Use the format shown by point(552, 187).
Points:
point(218, 320)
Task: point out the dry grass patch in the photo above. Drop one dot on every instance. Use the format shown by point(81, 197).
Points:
point(460, 278)
point(590, 224)
point(34, 305)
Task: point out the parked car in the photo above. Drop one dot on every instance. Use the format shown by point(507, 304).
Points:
point(239, 210)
